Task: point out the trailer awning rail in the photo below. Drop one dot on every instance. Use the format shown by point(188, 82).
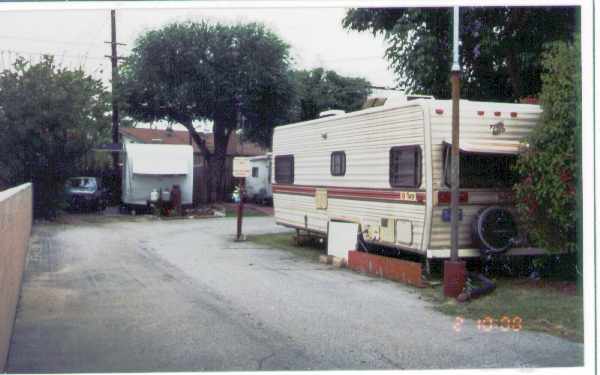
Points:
point(506, 148)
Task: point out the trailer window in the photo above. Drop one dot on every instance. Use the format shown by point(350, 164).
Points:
point(254, 171)
point(338, 163)
point(284, 169)
point(405, 166)
point(482, 170)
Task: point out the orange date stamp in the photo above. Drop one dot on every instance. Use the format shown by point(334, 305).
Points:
point(489, 324)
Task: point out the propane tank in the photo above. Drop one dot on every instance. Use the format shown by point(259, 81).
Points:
point(176, 199)
point(166, 195)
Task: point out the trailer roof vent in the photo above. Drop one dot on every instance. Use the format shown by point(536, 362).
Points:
point(331, 112)
point(403, 99)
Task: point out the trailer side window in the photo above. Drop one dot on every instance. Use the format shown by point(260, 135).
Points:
point(254, 171)
point(405, 166)
point(338, 163)
point(284, 169)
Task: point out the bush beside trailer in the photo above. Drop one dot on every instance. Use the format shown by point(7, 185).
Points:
point(386, 168)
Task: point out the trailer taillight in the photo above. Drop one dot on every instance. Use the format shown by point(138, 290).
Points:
point(439, 111)
point(444, 197)
point(513, 114)
point(480, 113)
point(497, 113)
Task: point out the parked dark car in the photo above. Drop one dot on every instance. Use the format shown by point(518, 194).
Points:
point(86, 193)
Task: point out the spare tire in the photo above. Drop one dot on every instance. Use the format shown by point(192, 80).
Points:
point(494, 230)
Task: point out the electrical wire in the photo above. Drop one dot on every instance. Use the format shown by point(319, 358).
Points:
point(62, 56)
point(43, 40)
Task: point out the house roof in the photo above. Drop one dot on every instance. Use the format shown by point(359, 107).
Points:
point(178, 137)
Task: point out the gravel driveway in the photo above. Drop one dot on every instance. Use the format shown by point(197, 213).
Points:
point(148, 295)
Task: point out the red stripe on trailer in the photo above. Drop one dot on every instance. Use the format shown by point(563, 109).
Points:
point(392, 195)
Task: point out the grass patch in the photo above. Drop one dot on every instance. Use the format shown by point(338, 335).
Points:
point(287, 242)
point(545, 306)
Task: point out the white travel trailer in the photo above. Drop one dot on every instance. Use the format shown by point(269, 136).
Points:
point(148, 167)
point(387, 169)
point(258, 184)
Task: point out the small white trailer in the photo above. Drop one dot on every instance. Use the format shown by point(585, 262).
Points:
point(387, 169)
point(148, 167)
point(258, 184)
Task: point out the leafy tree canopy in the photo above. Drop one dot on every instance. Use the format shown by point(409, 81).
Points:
point(314, 91)
point(195, 71)
point(50, 117)
point(319, 90)
point(500, 51)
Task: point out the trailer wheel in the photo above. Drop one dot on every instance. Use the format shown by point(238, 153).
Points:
point(494, 230)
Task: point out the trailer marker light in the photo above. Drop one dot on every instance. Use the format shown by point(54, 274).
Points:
point(496, 113)
point(444, 197)
point(439, 111)
point(513, 114)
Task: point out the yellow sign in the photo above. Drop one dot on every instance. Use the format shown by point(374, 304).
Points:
point(241, 167)
point(321, 199)
point(408, 196)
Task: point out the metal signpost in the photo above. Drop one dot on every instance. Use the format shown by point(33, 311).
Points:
point(454, 270)
point(241, 170)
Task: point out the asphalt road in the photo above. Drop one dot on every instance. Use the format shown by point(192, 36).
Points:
point(146, 295)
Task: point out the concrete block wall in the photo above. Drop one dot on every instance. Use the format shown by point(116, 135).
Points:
point(15, 229)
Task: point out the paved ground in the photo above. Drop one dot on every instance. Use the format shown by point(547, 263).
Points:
point(267, 210)
point(151, 295)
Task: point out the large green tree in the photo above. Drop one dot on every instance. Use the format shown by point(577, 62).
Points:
point(187, 72)
point(314, 91)
point(500, 52)
point(50, 117)
point(319, 90)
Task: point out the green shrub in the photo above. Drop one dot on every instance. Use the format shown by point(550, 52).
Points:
point(547, 192)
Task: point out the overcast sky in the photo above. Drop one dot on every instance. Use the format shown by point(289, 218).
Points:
point(76, 37)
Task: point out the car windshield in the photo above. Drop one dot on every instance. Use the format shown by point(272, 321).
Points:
point(82, 183)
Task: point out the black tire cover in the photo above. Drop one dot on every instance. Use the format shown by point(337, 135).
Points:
point(494, 230)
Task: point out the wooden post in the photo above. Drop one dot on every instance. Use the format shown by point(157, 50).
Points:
point(240, 210)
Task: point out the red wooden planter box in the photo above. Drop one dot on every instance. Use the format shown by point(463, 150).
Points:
point(386, 267)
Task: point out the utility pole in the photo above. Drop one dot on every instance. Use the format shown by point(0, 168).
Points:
point(455, 270)
point(115, 77)
point(115, 105)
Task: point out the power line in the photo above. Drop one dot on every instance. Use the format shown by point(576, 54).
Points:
point(43, 40)
point(349, 59)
